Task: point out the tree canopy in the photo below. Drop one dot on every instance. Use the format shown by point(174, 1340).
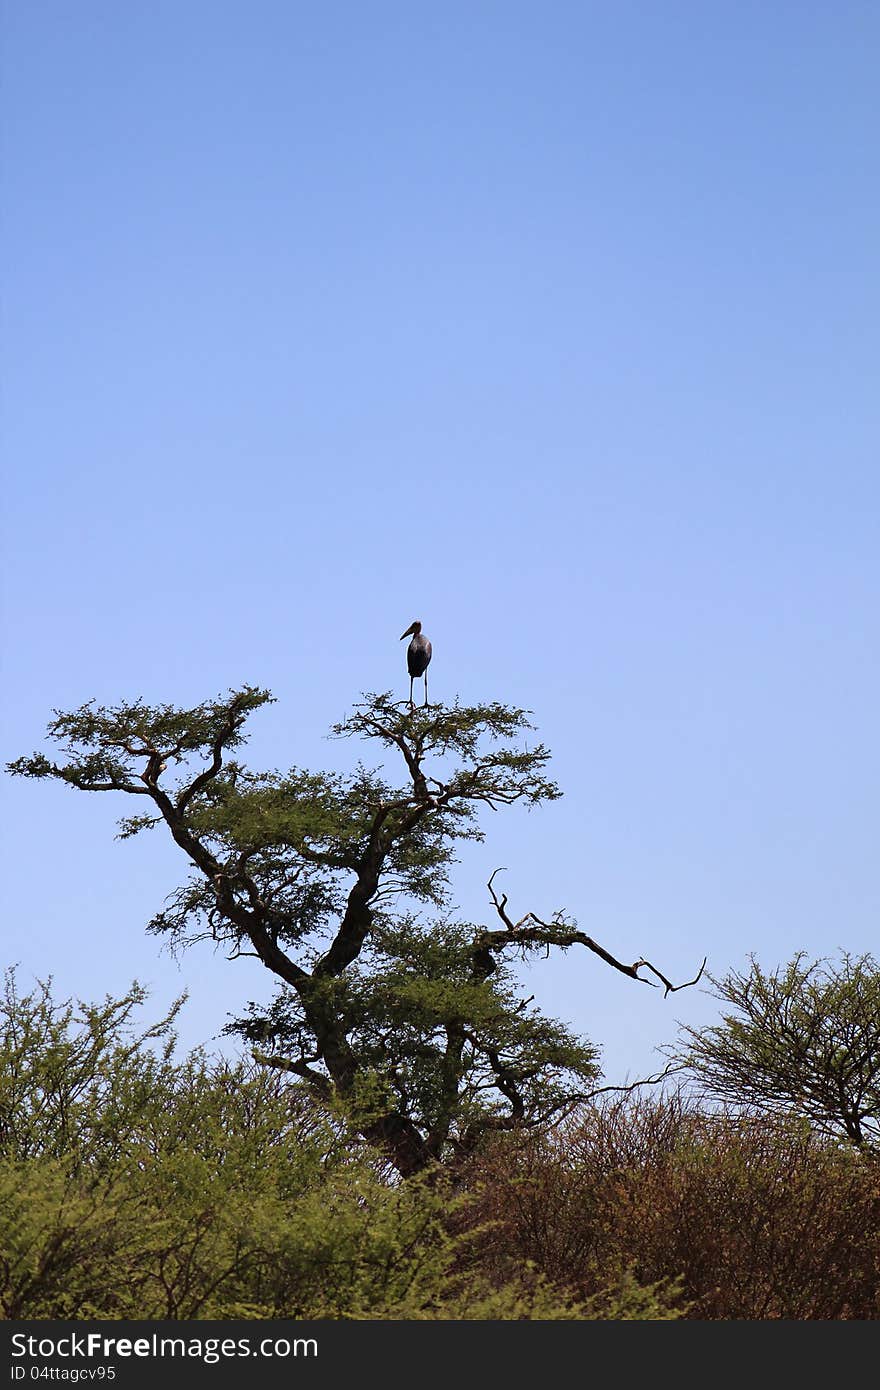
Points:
point(802, 1039)
point(415, 1028)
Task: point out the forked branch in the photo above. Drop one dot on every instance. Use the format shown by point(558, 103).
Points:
point(532, 930)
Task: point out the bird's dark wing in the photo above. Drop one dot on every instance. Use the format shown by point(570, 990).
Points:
point(418, 654)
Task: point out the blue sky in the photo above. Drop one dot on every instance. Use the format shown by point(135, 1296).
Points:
point(554, 326)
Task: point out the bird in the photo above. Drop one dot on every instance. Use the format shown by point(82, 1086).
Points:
point(418, 655)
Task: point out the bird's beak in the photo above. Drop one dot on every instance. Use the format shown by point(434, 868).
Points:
point(408, 633)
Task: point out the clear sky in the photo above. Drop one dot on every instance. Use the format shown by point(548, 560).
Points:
point(552, 325)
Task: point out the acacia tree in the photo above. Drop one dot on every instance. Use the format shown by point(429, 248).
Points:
point(417, 1031)
point(803, 1039)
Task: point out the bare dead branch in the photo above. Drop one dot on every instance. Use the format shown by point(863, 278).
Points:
point(669, 1070)
point(670, 988)
point(532, 930)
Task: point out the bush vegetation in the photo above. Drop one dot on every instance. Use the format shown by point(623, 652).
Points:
point(751, 1217)
point(134, 1184)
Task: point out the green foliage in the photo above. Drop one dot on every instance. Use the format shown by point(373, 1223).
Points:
point(102, 743)
point(410, 995)
point(218, 1190)
point(67, 1071)
point(804, 1040)
point(210, 1190)
point(530, 1295)
point(417, 1031)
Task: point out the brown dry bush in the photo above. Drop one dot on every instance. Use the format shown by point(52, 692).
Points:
point(753, 1218)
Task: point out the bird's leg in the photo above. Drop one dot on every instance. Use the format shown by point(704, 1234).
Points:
point(426, 689)
point(411, 679)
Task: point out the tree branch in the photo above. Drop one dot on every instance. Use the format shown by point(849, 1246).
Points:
point(233, 722)
point(532, 930)
point(319, 1083)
